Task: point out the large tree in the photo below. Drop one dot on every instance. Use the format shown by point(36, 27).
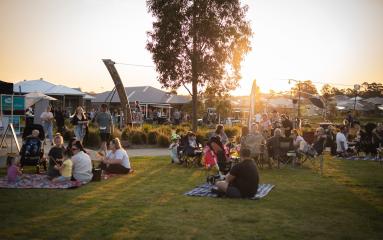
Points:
point(305, 88)
point(198, 42)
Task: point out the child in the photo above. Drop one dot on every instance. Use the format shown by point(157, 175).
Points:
point(173, 149)
point(13, 171)
point(65, 170)
point(56, 156)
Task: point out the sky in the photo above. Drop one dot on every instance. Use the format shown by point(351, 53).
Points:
point(63, 41)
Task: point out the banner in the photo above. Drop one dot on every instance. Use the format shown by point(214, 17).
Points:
point(252, 104)
point(18, 104)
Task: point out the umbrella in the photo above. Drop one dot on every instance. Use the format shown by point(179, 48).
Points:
point(34, 97)
point(350, 106)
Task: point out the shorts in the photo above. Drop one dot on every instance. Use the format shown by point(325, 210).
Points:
point(233, 192)
point(105, 137)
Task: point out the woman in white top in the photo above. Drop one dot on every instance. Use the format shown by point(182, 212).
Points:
point(299, 143)
point(116, 160)
point(82, 164)
point(47, 120)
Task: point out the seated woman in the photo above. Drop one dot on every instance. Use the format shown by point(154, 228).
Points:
point(116, 160)
point(68, 150)
point(191, 144)
point(320, 140)
point(82, 164)
point(299, 143)
point(56, 156)
point(273, 144)
point(220, 131)
point(215, 156)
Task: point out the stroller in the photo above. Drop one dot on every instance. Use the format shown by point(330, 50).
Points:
point(32, 150)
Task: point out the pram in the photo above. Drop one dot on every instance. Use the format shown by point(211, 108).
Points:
point(32, 150)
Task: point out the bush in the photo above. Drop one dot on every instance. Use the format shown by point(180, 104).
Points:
point(152, 137)
point(163, 140)
point(92, 139)
point(231, 132)
point(126, 133)
point(116, 133)
point(166, 130)
point(137, 137)
point(68, 134)
point(146, 128)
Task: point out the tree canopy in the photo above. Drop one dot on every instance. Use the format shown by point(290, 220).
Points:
point(199, 42)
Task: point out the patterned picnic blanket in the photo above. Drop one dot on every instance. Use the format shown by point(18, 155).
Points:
point(37, 181)
point(364, 158)
point(205, 191)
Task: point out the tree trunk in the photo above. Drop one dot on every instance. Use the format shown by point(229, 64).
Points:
point(194, 71)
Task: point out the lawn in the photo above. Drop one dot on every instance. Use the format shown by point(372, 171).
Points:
point(346, 203)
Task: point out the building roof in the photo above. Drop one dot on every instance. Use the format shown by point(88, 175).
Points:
point(143, 94)
point(40, 85)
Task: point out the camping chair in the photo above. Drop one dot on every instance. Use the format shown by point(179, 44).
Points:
point(286, 153)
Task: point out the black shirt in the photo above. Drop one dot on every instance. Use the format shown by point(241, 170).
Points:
point(246, 178)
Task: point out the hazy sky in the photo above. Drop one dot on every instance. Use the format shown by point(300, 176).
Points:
point(63, 41)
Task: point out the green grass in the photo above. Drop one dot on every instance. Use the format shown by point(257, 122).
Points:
point(346, 203)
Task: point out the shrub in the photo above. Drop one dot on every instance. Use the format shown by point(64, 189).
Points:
point(163, 140)
point(166, 130)
point(137, 137)
point(92, 139)
point(68, 134)
point(116, 133)
point(152, 137)
point(231, 132)
point(126, 133)
point(146, 128)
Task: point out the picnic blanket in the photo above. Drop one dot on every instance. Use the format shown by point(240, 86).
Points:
point(363, 158)
point(37, 181)
point(205, 191)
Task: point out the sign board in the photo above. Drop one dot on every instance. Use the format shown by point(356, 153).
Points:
point(18, 104)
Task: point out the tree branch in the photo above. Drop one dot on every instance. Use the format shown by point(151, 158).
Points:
point(183, 84)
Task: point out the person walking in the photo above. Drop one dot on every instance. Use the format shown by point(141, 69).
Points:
point(47, 120)
point(80, 121)
point(104, 121)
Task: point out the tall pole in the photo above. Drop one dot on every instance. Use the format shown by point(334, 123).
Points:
point(299, 99)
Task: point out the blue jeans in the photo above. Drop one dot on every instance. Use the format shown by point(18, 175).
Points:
point(48, 129)
point(79, 132)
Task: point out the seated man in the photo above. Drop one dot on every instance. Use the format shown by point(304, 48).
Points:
point(242, 180)
point(341, 143)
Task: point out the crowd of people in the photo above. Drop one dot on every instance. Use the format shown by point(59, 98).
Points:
point(73, 162)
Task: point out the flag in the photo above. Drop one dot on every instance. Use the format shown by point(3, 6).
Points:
point(252, 104)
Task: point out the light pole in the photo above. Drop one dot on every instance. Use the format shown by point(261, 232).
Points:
point(356, 88)
point(299, 96)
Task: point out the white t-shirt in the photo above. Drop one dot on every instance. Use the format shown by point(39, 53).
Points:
point(46, 116)
point(120, 154)
point(340, 137)
point(82, 167)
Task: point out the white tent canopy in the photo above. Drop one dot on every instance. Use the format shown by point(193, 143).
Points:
point(34, 97)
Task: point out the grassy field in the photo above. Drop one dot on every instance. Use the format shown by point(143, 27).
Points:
point(347, 203)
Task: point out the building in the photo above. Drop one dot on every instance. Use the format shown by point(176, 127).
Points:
point(68, 98)
point(150, 99)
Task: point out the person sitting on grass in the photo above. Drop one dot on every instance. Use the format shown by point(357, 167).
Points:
point(242, 180)
point(56, 156)
point(116, 160)
point(82, 164)
point(65, 170)
point(13, 171)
